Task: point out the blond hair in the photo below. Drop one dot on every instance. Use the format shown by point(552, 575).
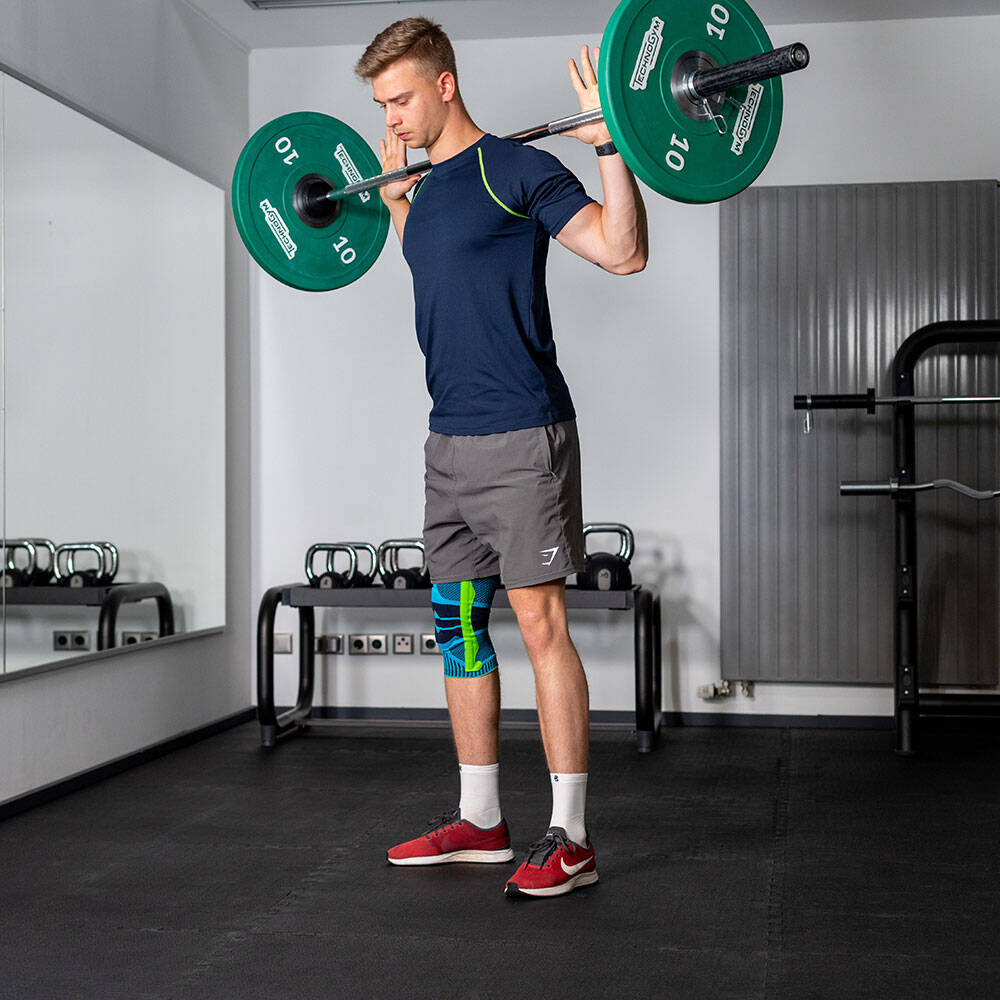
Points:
point(416, 38)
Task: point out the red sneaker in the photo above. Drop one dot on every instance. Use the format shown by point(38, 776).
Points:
point(555, 865)
point(452, 839)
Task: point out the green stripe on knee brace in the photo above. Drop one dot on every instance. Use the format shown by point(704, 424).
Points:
point(461, 617)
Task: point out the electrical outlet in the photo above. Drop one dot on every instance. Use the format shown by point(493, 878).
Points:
point(327, 645)
point(428, 643)
point(357, 645)
point(71, 642)
point(377, 644)
point(131, 638)
point(402, 643)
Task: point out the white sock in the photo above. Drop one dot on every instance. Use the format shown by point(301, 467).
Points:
point(480, 802)
point(569, 805)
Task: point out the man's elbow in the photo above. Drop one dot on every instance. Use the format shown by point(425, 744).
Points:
point(634, 264)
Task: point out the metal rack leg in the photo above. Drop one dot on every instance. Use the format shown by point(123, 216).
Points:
point(657, 664)
point(645, 722)
point(271, 725)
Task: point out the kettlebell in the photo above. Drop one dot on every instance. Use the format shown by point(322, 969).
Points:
point(369, 577)
point(604, 570)
point(407, 578)
point(331, 579)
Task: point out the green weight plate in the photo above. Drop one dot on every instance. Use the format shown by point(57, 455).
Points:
point(282, 156)
point(645, 45)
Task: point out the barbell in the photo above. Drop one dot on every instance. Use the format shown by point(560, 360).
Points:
point(689, 91)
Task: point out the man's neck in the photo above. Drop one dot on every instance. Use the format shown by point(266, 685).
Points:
point(457, 135)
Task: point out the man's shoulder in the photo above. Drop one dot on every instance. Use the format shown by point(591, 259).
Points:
point(520, 153)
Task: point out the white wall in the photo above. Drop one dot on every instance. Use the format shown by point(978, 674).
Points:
point(340, 406)
point(160, 73)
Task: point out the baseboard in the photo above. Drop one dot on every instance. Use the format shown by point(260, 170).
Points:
point(514, 718)
point(523, 717)
point(57, 789)
point(728, 719)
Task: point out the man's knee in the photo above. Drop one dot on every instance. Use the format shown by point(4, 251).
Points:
point(461, 624)
point(542, 627)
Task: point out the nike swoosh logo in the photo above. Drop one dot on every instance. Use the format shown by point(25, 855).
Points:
point(571, 869)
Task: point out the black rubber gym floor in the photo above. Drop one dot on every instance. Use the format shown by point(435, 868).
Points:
point(737, 863)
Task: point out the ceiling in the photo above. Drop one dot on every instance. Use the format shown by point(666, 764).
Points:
point(357, 25)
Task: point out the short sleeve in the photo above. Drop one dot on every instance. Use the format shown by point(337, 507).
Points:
point(546, 190)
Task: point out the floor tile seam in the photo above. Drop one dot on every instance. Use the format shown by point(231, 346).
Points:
point(227, 943)
point(320, 874)
point(411, 937)
point(234, 938)
point(774, 938)
point(859, 954)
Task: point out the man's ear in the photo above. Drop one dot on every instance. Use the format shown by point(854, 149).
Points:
point(446, 86)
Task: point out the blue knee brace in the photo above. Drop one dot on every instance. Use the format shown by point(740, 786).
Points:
point(461, 620)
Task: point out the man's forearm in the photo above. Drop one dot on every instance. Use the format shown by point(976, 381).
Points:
point(399, 209)
point(623, 215)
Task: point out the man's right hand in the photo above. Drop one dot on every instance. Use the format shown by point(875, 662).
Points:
point(392, 151)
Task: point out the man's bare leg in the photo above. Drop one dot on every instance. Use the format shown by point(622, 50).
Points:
point(474, 707)
point(561, 691)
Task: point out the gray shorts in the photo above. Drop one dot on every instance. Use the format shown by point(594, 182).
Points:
point(506, 504)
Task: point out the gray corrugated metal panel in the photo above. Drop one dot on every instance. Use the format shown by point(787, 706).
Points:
point(820, 285)
point(729, 382)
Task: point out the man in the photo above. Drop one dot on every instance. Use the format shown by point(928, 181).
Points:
point(502, 458)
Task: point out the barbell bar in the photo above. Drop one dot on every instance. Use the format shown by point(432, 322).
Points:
point(690, 91)
point(696, 87)
point(868, 401)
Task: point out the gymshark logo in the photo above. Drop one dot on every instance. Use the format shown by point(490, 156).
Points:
point(648, 54)
point(572, 869)
point(351, 172)
point(550, 555)
point(747, 117)
point(277, 226)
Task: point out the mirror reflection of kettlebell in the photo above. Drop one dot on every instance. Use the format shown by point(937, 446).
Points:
point(13, 575)
point(605, 570)
point(42, 574)
point(68, 575)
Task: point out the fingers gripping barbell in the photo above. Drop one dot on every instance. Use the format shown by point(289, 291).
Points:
point(689, 92)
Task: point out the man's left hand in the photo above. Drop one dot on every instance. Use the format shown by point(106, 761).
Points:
point(586, 89)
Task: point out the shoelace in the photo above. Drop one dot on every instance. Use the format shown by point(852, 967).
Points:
point(546, 847)
point(445, 819)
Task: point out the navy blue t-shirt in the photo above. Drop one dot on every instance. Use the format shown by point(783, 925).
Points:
point(476, 239)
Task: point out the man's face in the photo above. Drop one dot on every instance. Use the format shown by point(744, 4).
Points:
point(415, 107)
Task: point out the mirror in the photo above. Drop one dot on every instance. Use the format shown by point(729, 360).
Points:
point(114, 379)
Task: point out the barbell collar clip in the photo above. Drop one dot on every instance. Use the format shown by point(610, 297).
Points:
point(717, 120)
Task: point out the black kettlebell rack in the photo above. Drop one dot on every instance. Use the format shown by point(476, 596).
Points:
point(909, 701)
point(109, 598)
point(643, 601)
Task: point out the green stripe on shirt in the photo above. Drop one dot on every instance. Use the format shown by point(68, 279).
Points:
point(482, 170)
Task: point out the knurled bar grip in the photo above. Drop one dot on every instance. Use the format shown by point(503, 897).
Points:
point(704, 83)
point(787, 59)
